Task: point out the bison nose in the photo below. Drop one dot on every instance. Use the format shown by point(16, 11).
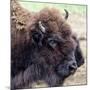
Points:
point(72, 67)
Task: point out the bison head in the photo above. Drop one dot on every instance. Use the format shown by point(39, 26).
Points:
point(63, 54)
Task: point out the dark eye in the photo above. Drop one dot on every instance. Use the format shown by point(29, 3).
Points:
point(53, 43)
point(55, 40)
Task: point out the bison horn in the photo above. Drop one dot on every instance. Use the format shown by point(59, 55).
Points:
point(67, 14)
point(42, 28)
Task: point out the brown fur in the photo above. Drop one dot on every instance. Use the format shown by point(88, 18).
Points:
point(19, 20)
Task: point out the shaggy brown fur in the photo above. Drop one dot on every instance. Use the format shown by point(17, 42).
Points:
point(19, 14)
point(19, 20)
point(49, 55)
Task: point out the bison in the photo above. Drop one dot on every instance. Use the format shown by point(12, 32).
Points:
point(46, 50)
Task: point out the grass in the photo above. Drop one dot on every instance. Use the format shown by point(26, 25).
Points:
point(36, 6)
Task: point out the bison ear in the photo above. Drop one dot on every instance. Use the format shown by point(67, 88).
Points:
point(37, 37)
point(79, 56)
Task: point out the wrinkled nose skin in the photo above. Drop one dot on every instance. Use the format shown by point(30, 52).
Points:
point(72, 66)
point(68, 67)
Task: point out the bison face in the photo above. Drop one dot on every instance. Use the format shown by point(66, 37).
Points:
point(71, 62)
point(63, 54)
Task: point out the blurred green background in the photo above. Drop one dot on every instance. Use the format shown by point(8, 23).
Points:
point(36, 6)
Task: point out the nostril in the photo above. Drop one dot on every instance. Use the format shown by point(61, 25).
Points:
point(72, 67)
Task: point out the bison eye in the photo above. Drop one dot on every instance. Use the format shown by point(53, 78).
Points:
point(53, 43)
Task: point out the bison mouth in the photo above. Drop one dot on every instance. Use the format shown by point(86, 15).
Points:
point(64, 70)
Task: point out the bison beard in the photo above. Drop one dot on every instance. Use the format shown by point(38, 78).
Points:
point(46, 51)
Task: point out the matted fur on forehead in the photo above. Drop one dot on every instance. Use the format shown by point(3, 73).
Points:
point(53, 21)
